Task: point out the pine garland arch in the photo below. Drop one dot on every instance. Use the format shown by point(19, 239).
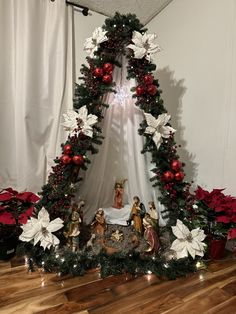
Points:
point(57, 194)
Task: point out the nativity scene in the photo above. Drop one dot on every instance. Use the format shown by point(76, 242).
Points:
point(117, 197)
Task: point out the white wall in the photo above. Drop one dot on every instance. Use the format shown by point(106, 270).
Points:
point(197, 71)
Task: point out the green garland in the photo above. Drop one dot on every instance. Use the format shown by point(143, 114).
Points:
point(57, 194)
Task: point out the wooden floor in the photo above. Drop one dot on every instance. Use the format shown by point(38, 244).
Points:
point(211, 291)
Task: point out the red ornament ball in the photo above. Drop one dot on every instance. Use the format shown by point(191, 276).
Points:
point(140, 90)
point(108, 68)
point(168, 176)
point(148, 79)
point(67, 149)
point(65, 159)
point(179, 176)
point(152, 89)
point(176, 165)
point(78, 160)
point(107, 78)
point(98, 72)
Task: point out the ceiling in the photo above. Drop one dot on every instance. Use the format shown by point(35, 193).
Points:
point(144, 9)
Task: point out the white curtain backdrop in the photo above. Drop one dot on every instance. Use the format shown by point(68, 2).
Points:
point(35, 88)
point(120, 155)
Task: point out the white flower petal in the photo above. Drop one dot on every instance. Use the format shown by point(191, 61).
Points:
point(55, 225)
point(40, 230)
point(178, 245)
point(182, 254)
point(143, 45)
point(157, 139)
point(190, 249)
point(190, 242)
point(92, 43)
point(166, 131)
point(70, 120)
point(43, 217)
point(38, 236)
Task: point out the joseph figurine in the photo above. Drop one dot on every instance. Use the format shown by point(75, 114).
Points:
point(137, 213)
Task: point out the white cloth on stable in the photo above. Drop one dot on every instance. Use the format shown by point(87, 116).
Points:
point(35, 88)
point(117, 216)
point(120, 155)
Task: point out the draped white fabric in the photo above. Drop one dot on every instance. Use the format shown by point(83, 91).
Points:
point(35, 88)
point(120, 155)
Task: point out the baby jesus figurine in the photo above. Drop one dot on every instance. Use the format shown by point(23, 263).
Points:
point(119, 192)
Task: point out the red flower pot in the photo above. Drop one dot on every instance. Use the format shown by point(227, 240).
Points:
point(216, 248)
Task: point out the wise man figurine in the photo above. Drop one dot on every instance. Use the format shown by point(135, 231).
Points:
point(98, 224)
point(119, 192)
point(150, 235)
point(74, 225)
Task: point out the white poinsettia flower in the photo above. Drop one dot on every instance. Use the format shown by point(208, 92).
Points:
point(187, 242)
point(70, 122)
point(143, 45)
point(158, 128)
point(40, 230)
point(81, 120)
point(92, 43)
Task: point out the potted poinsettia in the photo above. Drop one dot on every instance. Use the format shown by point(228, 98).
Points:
point(15, 209)
point(215, 212)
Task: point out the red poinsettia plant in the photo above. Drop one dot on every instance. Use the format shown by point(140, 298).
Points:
point(216, 212)
point(15, 209)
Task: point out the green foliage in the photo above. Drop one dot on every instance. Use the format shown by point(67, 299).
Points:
point(77, 263)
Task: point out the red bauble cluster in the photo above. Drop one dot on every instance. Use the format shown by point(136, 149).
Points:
point(66, 158)
point(104, 73)
point(176, 174)
point(147, 87)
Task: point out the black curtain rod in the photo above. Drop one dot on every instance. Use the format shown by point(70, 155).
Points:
point(84, 10)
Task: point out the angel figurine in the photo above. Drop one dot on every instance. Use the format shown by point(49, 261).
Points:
point(99, 224)
point(119, 192)
point(150, 234)
point(73, 232)
point(137, 213)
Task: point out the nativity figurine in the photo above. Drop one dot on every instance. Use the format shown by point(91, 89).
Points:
point(119, 192)
point(136, 215)
point(117, 236)
point(98, 224)
point(153, 214)
point(72, 235)
point(150, 234)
